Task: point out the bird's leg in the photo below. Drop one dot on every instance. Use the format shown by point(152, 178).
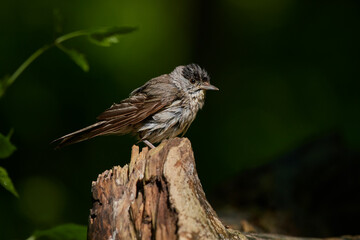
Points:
point(149, 144)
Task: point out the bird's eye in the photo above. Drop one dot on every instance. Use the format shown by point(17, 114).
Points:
point(192, 81)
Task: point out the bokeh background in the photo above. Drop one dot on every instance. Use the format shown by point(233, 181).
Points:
point(278, 145)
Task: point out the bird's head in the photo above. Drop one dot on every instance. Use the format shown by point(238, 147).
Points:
point(192, 78)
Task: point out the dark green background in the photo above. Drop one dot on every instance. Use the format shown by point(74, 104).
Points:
point(288, 72)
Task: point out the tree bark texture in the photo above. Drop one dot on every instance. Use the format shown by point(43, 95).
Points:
point(157, 196)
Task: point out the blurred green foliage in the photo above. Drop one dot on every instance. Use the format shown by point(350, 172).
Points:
point(103, 36)
point(287, 73)
point(62, 232)
point(6, 147)
point(46, 209)
point(6, 182)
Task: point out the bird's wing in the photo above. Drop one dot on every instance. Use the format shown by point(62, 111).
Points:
point(156, 94)
point(143, 102)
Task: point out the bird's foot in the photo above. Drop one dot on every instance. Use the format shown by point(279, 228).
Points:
point(149, 144)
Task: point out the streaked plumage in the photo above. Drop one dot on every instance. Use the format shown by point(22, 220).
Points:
point(162, 108)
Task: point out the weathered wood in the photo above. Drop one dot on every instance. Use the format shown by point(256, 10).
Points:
point(157, 196)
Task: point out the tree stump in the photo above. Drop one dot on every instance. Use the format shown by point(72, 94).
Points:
point(157, 196)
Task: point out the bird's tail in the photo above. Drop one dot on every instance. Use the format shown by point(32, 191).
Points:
point(83, 134)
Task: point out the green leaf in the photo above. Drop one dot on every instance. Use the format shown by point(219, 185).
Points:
point(6, 182)
point(108, 36)
point(6, 147)
point(76, 56)
point(68, 231)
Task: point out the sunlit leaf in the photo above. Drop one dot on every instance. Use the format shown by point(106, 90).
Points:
point(6, 182)
point(6, 147)
point(76, 56)
point(107, 37)
point(63, 232)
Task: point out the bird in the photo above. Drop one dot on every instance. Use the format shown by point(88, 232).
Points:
point(164, 107)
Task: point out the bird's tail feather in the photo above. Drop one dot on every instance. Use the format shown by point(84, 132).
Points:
point(83, 134)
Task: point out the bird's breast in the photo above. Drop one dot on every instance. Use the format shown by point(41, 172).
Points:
point(173, 120)
point(195, 101)
point(191, 105)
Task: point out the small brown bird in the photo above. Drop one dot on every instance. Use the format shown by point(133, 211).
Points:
point(162, 108)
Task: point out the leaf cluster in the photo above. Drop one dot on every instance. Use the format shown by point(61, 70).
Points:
point(104, 37)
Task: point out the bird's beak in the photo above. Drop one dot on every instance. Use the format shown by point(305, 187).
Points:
point(208, 86)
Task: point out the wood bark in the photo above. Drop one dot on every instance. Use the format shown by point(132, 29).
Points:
point(157, 196)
